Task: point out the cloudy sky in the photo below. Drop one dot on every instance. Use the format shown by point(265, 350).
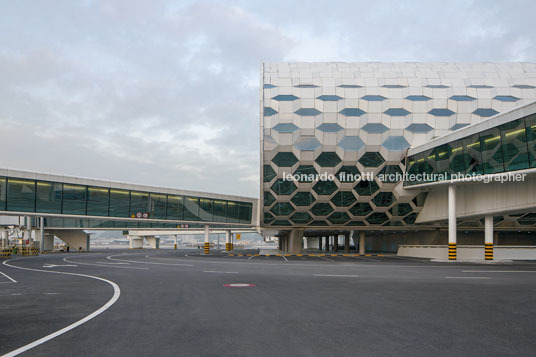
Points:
point(166, 93)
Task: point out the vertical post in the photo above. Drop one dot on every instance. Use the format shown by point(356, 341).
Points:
point(42, 233)
point(452, 222)
point(228, 240)
point(320, 243)
point(336, 243)
point(362, 243)
point(207, 242)
point(488, 238)
point(347, 242)
point(175, 244)
point(326, 240)
point(280, 242)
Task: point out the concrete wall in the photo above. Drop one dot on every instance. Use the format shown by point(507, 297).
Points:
point(471, 252)
point(74, 238)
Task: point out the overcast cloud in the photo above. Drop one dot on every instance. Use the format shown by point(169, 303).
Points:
point(166, 93)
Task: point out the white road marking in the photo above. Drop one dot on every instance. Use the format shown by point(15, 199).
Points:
point(103, 265)
point(16, 294)
point(57, 265)
point(467, 277)
point(282, 256)
point(329, 260)
point(116, 263)
point(114, 298)
point(499, 271)
point(110, 257)
point(251, 257)
point(220, 272)
point(337, 275)
point(51, 293)
point(10, 278)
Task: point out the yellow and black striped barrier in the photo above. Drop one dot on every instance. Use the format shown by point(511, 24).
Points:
point(5, 253)
point(488, 251)
point(304, 255)
point(207, 248)
point(27, 251)
point(228, 246)
point(452, 251)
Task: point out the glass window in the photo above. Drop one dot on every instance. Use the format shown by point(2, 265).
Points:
point(329, 127)
point(492, 155)
point(473, 156)
point(232, 212)
point(206, 210)
point(530, 123)
point(191, 209)
point(396, 112)
point(20, 195)
point(328, 159)
point(306, 173)
point(457, 163)
point(119, 203)
point(514, 145)
point(285, 128)
point(48, 197)
point(303, 198)
point(245, 213)
point(175, 207)
point(74, 199)
point(220, 209)
point(139, 203)
point(441, 160)
point(3, 187)
point(282, 187)
point(308, 112)
point(269, 173)
point(285, 159)
point(98, 201)
point(158, 205)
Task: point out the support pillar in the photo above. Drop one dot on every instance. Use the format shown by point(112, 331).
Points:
point(347, 242)
point(362, 243)
point(175, 244)
point(488, 238)
point(336, 243)
point(296, 241)
point(153, 241)
point(320, 243)
point(135, 242)
point(326, 239)
point(452, 222)
point(42, 235)
point(228, 245)
point(4, 239)
point(207, 242)
point(280, 243)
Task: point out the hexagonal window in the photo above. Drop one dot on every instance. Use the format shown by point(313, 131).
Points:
point(390, 174)
point(307, 143)
point(371, 159)
point(268, 173)
point(303, 199)
point(269, 86)
point(410, 219)
point(285, 98)
point(281, 222)
point(282, 209)
point(318, 223)
point(329, 127)
point(268, 217)
point(348, 174)
point(285, 128)
point(352, 112)
point(268, 199)
point(283, 187)
point(480, 86)
point(350, 86)
point(373, 98)
point(375, 128)
point(384, 199)
point(308, 112)
point(418, 98)
point(506, 98)
point(394, 86)
point(268, 112)
point(356, 223)
point(366, 188)
point(328, 159)
point(419, 128)
point(325, 187)
point(441, 112)
point(485, 112)
point(343, 199)
point(523, 86)
point(437, 86)
point(306, 86)
point(329, 98)
point(351, 143)
point(322, 209)
point(458, 126)
point(420, 199)
point(377, 218)
point(284, 159)
point(361, 209)
point(396, 112)
point(462, 98)
point(401, 209)
point(395, 143)
point(301, 217)
point(306, 173)
point(339, 218)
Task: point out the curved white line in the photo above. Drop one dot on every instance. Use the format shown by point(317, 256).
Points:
point(115, 297)
point(111, 257)
point(100, 265)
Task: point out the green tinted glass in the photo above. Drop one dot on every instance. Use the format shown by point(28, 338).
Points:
point(48, 197)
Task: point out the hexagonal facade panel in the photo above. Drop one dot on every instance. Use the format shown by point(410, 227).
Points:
point(366, 188)
point(351, 143)
point(285, 128)
point(301, 218)
point(303, 199)
point(268, 198)
point(419, 128)
point(307, 143)
point(284, 159)
point(268, 174)
point(352, 112)
point(305, 173)
point(395, 143)
point(282, 209)
point(328, 159)
point(325, 187)
point(339, 218)
point(396, 112)
point(285, 98)
point(308, 112)
point(375, 128)
point(361, 209)
point(390, 174)
point(322, 209)
point(384, 199)
point(347, 174)
point(329, 98)
point(485, 112)
point(441, 112)
point(371, 159)
point(343, 199)
point(282, 187)
point(329, 127)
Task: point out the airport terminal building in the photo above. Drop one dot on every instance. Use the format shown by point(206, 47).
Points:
point(337, 138)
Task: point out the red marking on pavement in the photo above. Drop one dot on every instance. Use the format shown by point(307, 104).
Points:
point(238, 285)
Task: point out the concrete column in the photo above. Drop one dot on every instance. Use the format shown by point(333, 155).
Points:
point(320, 238)
point(488, 238)
point(336, 243)
point(362, 242)
point(42, 234)
point(228, 241)
point(347, 242)
point(452, 222)
point(175, 244)
point(207, 241)
point(296, 241)
point(326, 239)
point(280, 243)
point(153, 241)
point(4, 238)
point(135, 242)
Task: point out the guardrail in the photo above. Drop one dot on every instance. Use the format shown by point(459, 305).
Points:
point(5, 253)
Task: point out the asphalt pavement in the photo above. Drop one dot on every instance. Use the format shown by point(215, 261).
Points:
point(179, 303)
